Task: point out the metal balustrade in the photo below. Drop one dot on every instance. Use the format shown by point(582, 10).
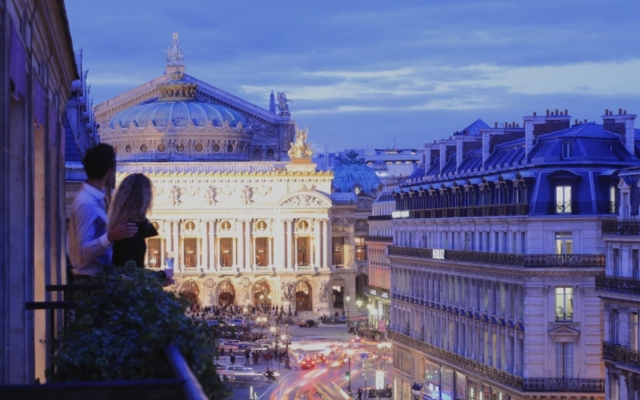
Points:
point(379, 239)
point(584, 385)
point(621, 227)
point(523, 260)
point(620, 354)
point(618, 284)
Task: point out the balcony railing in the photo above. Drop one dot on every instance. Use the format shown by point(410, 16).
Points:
point(495, 210)
point(594, 385)
point(523, 260)
point(379, 217)
point(621, 227)
point(618, 284)
point(516, 382)
point(379, 239)
point(623, 355)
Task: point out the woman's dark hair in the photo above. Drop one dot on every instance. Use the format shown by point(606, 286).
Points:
point(98, 159)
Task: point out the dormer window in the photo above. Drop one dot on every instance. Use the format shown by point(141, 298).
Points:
point(563, 199)
point(357, 190)
point(567, 150)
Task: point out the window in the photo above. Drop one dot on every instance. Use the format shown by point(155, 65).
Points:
point(564, 360)
point(226, 252)
point(613, 327)
point(262, 252)
point(190, 253)
point(633, 340)
point(564, 243)
point(567, 150)
point(338, 244)
point(564, 304)
point(563, 199)
point(303, 251)
point(496, 244)
point(154, 251)
point(361, 249)
point(635, 264)
point(612, 199)
point(616, 263)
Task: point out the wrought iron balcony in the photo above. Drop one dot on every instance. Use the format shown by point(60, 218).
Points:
point(585, 385)
point(619, 354)
point(621, 227)
point(516, 382)
point(379, 217)
point(618, 284)
point(523, 260)
point(379, 239)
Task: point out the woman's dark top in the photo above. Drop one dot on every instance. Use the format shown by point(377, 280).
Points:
point(135, 247)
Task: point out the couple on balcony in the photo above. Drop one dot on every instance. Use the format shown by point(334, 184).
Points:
point(96, 238)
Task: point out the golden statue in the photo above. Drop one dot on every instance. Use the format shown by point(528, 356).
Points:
point(300, 148)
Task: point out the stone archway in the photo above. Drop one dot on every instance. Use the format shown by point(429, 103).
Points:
point(226, 293)
point(362, 281)
point(191, 292)
point(304, 299)
point(262, 293)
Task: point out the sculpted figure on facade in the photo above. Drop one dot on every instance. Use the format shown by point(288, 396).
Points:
point(323, 291)
point(282, 103)
point(175, 194)
point(287, 291)
point(210, 196)
point(174, 53)
point(300, 148)
point(339, 224)
point(246, 195)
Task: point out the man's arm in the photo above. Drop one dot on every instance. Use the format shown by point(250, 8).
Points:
point(89, 245)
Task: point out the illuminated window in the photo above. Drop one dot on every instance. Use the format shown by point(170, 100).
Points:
point(564, 243)
point(191, 253)
point(216, 147)
point(361, 249)
point(154, 251)
point(226, 252)
point(199, 147)
point(303, 251)
point(262, 252)
point(563, 199)
point(564, 304)
point(338, 244)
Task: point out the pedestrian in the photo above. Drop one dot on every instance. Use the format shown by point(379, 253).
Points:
point(360, 393)
point(256, 357)
point(232, 358)
point(89, 238)
point(222, 351)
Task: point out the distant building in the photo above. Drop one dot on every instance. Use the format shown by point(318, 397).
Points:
point(619, 288)
point(496, 245)
point(391, 165)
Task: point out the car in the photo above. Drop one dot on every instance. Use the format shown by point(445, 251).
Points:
point(320, 358)
point(307, 363)
point(264, 342)
point(244, 345)
point(235, 322)
point(230, 344)
point(342, 320)
point(213, 322)
point(307, 323)
point(259, 347)
point(239, 368)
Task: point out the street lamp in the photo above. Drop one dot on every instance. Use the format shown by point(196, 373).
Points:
point(348, 298)
point(349, 352)
point(384, 346)
point(359, 304)
point(274, 332)
point(261, 322)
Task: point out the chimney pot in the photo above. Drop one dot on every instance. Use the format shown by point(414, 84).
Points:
point(547, 113)
point(566, 112)
point(576, 121)
point(625, 112)
point(585, 120)
point(556, 111)
point(534, 113)
point(496, 125)
point(606, 111)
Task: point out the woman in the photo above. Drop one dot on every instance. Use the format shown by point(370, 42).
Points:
point(132, 202)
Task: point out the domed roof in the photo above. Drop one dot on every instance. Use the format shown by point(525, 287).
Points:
point(352, 172)
point(178, 105)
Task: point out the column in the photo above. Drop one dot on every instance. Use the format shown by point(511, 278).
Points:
point(248, 260)
point(177, 257)
point(278, 241)
point(212, 245)
point(351, 261)
point(204, 235)
point(288, 242)
point(295, 251)
point(317, 248)
point(239, 245)
point(326, 240)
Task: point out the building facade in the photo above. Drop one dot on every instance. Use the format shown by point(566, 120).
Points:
point(244, 216)
point(497, 243)
point(38, 71)
point(619, 289)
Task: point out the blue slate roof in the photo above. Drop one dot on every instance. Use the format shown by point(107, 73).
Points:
point(352, 172)
point(72, 151)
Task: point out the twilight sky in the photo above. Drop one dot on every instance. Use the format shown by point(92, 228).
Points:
point(372, 73)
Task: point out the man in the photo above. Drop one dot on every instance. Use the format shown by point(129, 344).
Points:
point(89, 243)
point(359, 393)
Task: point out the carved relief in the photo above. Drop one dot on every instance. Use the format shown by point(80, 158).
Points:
point(339, 225)
point(287, 291)
point(362, 225)
point(263, 190)
point(365, 204)
point(210, 196)
point(305, 200)
point(227, 191)
point(208, 283)
point(323, 291)
point(246, 195)
point(174, 195)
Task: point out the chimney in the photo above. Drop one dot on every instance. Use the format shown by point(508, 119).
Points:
point(535, 126)
point(624, 125)
point(463, 146)
point(447, 147)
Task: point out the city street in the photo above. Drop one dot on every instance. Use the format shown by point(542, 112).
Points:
point(322, 381)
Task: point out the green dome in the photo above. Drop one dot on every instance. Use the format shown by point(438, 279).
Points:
point(352, 173)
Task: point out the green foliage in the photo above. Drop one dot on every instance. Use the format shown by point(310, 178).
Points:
point(120, 331)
